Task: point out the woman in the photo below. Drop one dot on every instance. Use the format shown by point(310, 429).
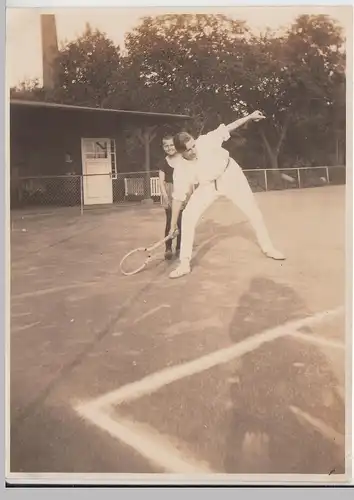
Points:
point(166, 188)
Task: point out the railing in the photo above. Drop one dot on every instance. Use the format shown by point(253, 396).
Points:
point(135, 184)
point(128, 187)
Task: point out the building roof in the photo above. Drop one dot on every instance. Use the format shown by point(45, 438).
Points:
point(68, 107)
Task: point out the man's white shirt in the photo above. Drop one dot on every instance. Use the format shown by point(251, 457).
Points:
point(210, 164)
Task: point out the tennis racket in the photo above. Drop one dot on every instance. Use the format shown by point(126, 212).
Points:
point(136, 260)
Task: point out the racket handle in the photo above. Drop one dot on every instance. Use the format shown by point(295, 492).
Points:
point(173, 235)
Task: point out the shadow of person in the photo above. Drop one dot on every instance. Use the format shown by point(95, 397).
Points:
point(280, 393)
point(211, 233)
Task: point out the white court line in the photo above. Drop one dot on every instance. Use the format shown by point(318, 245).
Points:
point(28, 216)
point(320, 426)
point(315, 339)
point(20, 315)
point(146, 441)
point(149, 313)
point(155, 381)
point(37, 293)
point(97, 411)
point(17, 329)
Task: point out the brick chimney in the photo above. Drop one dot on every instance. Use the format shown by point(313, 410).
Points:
point(49, 50)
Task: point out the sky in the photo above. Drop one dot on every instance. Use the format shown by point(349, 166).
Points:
point(23, 36)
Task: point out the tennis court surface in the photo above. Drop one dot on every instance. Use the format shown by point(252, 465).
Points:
point(237, 368)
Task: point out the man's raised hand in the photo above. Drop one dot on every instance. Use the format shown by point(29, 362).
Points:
point(256, 116)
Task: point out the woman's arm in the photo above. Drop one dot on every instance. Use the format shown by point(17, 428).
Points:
point(162, 183)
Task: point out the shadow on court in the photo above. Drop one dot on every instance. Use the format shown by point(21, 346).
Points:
point(217, 233)
point(80, 329)
point(274, 410)
point(266, 435)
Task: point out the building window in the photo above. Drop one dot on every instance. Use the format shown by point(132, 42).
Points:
point(101, 149)
point(96, 150)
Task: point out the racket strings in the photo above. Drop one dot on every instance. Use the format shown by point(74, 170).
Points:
point(136, 260)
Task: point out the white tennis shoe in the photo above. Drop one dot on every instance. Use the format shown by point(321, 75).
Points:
point(183, 269)
point(272, 253)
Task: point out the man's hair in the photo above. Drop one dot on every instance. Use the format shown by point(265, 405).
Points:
point(180, 140)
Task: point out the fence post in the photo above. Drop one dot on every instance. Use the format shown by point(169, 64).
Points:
point(327, 173)
point(82, 194)
point(298, 177)
point(265, 179)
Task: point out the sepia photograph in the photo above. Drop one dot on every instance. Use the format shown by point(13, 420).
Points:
point(178, 227)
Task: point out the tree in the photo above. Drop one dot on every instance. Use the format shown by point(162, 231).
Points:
point(182, 64)
point(28, 90)
point(86, 68)
point(293, 80)
point(176, 63)
point(213, 69)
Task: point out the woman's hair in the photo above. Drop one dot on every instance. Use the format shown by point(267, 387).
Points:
point(167, 137)
point(180, 140)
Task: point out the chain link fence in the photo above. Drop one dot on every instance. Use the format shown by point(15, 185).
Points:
point(295, 178)
point(33, 193)
point(271, 180)
point(58, 191)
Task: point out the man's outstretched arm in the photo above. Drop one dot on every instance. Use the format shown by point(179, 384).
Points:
point(255, 116)
point(222, 133)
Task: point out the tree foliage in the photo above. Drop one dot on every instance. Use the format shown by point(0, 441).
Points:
point(85, 70)
point(214, 69)
point(294, 80)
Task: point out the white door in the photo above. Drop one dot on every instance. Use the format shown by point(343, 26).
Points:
point(97, 157)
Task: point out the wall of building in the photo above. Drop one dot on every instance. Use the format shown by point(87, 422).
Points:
point(42, 140)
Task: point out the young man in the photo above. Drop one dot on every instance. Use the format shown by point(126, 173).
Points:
point(166, 187)
point(205, 162)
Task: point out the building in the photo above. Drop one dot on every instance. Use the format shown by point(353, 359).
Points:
point(54, 148)
point(67, 155)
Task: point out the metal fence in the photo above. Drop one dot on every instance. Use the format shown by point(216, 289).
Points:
point(295, 178)
point(128, 187)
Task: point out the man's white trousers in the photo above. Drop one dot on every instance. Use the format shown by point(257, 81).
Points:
point(233, 185)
